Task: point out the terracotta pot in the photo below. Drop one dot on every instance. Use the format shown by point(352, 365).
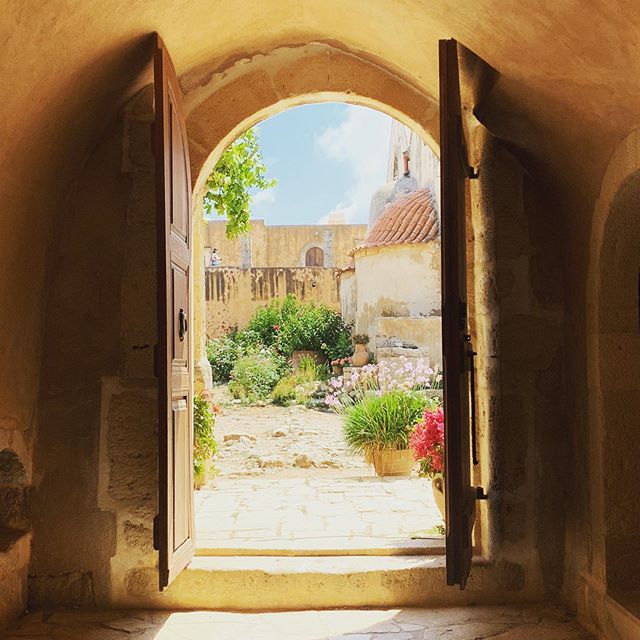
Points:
point(437, 485)
point(317, 357)
point(360, 356)
point(392, 462)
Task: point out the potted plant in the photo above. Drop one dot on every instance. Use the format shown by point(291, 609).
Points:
point(427, 445)
point(380, 426)
point(360, 354)
point(338, 365)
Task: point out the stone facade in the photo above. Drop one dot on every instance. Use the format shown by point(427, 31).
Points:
point(272, 262)
point(283, 245)
point(233, 294)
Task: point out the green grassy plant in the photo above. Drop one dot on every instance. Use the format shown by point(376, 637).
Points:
point(382, 421)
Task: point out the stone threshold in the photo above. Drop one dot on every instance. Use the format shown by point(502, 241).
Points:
point(289, 583)
point(323, 547)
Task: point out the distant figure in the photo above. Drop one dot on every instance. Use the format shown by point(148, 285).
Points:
point(216, 260)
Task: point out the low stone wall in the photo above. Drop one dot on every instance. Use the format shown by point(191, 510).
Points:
point(233, 294)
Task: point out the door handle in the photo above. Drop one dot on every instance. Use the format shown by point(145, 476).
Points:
point(183, 325)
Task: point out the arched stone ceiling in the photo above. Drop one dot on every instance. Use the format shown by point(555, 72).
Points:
point(566, 68)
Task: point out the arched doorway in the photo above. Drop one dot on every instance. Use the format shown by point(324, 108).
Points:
point(314, 257)
point(619, 361)
point(614, 378)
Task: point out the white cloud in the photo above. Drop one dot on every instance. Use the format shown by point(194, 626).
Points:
point(361, 143)
point(262, 197)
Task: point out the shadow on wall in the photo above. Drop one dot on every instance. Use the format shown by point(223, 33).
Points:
point(13, 497)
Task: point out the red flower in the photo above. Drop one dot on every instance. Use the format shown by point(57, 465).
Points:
point(276, 327)
point(427, 442)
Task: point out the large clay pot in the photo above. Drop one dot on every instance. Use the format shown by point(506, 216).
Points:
point(437, 485)
point(360, 356)
point(316, 356)
point(392, 462)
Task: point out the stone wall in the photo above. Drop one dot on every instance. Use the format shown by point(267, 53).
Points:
point(400, 282)
point(96, 454)
point(234, 294)
point(284, 245)
point(516, 311)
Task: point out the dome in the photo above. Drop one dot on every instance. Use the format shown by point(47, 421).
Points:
point(388, 194)
point(411, 219)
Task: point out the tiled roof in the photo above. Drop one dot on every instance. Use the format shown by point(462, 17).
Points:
point(409, 220)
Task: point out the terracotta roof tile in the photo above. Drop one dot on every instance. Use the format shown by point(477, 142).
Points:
point(409, 220)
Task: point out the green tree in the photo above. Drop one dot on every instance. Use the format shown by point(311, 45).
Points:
point(240, 169)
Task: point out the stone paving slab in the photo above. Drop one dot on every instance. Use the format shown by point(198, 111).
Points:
point(308, 513)
point(541, 622)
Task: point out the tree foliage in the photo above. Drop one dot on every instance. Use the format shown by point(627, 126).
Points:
point(240, 169)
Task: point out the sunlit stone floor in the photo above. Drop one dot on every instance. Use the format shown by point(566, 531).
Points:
point(470, 623)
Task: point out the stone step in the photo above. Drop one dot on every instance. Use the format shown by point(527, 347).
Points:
point(321, 547)
point(276, 583)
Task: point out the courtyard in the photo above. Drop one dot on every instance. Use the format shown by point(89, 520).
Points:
point(287, 483)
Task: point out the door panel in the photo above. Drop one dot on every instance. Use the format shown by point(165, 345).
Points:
point(175, 522)
point(456, 346)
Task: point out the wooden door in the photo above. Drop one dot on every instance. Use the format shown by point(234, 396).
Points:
point(456, 347)
point(175, 524)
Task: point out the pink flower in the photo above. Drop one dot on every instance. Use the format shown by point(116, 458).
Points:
point(427, 442)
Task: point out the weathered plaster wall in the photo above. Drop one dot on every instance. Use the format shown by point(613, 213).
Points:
point(96, 484)
point(348, 295)
point(285, 245)
point(234, 294)
point(517, 322)
point(397, 281)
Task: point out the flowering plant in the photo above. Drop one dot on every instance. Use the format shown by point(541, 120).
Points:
point(399, 374)
point(427, 443)
point(360, 338)
point(341, 362)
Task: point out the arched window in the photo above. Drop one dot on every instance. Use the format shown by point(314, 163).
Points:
point(314, 257)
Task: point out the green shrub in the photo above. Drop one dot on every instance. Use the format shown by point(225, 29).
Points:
point(222, 354)
point(204, 442)
point(256, 374)
point(285, 392)
point(315, 328)
point(382, 421)
point(267, 321)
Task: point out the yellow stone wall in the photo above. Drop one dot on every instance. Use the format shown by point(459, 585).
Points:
point(234, 294)
point(284, 245)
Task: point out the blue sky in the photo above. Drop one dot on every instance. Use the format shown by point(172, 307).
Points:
point(326, 158)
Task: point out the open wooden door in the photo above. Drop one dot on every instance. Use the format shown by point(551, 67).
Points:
point(174, 530)
point(456, 346)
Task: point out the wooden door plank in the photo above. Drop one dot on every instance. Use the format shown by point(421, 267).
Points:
point(460, 496)
point(175, 522)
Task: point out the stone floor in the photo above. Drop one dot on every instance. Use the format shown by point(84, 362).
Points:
point(339, 512)
point(471, 623)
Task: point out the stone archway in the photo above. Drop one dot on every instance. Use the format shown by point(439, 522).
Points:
point(220, 106)
point(614, 372)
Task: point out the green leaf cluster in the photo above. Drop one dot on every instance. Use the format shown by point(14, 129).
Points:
point(204, 442)
point(256, 374)
point(240, 169)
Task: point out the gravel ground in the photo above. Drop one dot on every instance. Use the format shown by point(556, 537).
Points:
point(289, 442)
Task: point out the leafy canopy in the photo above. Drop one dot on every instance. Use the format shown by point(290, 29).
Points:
point(240, 169)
